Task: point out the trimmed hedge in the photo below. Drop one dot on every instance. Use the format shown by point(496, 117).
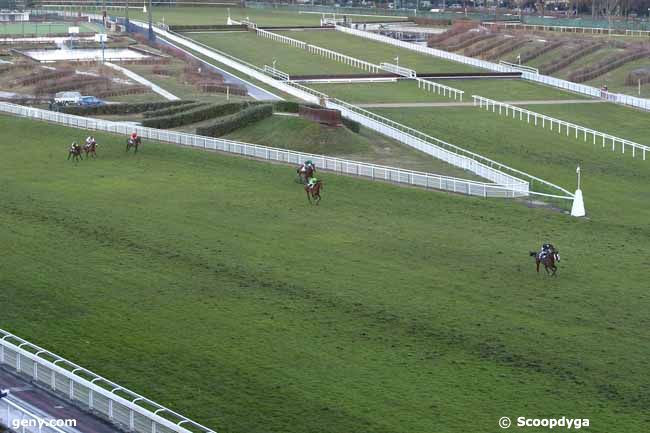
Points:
point(122, 108)
point(570, 57)
point(198, 114)
point(607, 64)
point(238, 120)
point(352, 125)
point(173, 110)
point(536, 52)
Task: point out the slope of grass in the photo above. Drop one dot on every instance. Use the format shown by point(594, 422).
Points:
point(408, 91)
point(261, 51)
point(207, 283)
point(609, 118)
point(295, 133)
point(610, 180)
point(377, 52)
point(615, 79)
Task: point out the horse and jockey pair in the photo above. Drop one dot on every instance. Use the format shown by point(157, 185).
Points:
point(548, 256)
point(134, 141)
point(90, 147)
point(312, 185)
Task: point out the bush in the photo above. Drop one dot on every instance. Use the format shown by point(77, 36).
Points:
point(454, 30)
point(570, 57)
point(465, 40)
point(235, 121)
point(637, 75)
point(509, 46)
point(607, 64)
point(198, 114)
point(166, 111)
point(122, 108)
point(352, 125)
point(529, 55)
point(286, 106)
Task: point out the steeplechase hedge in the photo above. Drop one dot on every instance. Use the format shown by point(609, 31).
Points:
point(166, 111)
point(352, 125)
point(123, 108)
point(238, 120)
point(195, 115)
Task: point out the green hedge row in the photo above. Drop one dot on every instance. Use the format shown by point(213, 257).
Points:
point(198, 114)
point(352, 125)
point(122, 108)
point(174, 110)
point(238, 120)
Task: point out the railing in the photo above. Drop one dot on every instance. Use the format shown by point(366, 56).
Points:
point(348, 60)
point(519, 67)
point(276, 73)
point(542, 119)
point(399, 70)
point(518, 188)
point(539, 78)
point(280, 38)
point(366, 66)
point(372, 120)
point(12, 412)
point(75, 383)
point(440, 89)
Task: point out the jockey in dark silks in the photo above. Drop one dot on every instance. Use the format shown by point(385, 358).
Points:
point(546, 249)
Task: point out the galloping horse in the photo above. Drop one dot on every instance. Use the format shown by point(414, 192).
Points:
point(75, 152)
point(91, 148)
point(313, 192)
point(549, 259)
point(305, 172)
point(133, 143)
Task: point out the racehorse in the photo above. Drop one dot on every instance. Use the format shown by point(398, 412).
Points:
point(91, 148)
point(133, 143)
point(75, 153)
point(305, 172)
point(314, 192)
point(549, 259)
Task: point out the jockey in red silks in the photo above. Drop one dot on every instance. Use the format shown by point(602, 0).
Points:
point(134, 136)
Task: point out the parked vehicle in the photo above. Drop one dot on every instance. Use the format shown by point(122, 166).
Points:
point(90, 101)
point(67, 98)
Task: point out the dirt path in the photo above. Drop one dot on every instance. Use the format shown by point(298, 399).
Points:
point(470, 104)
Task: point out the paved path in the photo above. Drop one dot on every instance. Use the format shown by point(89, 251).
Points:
point(471, 104)
point(140, 79)
point(47, 406)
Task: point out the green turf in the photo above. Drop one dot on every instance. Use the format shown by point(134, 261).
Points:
point(206, 283)
point(610, 180)
point(377, 52)
point(289, 132)
point(615, 79)
point(613, 119)
point(261, 51)
point(408, 91)
point(44, 28)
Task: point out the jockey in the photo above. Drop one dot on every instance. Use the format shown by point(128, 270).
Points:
point(134, 136)
point(309, 163)
point(546, 249)
point(312, 181)
point(74, 146)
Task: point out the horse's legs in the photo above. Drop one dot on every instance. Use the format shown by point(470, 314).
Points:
point(319, 197)
point(537, 263)
point(136, 148)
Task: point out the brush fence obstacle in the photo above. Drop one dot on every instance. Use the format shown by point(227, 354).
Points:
point(561, 125)
point(74, 383)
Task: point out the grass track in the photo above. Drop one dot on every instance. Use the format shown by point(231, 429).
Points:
point(261, 51)
point(206, 283)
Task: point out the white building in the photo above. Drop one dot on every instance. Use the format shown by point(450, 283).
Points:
point(9, 16)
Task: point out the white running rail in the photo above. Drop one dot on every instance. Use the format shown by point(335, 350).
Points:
point(440, 89)
point(518, 188)
point(280, 38)
point(495, 169)
point(399, 70)
point(348, 60)
point(616, 98)
point(276, 73)
point(72, 382)
point(520, 67)
point(543, 120)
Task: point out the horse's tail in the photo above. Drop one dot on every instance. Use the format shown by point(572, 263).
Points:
point(533, 254)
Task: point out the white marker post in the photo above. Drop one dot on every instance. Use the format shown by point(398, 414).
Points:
point(101, 37)
point(578, 208)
